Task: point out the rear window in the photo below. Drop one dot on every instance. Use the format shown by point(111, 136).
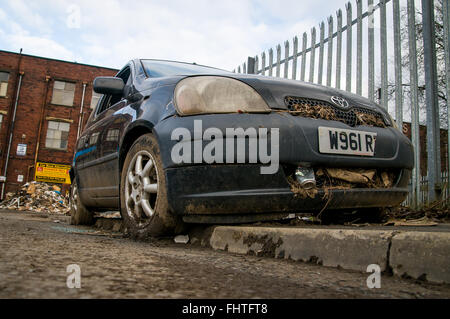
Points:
point(157, 69)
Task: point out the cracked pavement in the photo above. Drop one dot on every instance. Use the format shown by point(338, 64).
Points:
point(35, 252)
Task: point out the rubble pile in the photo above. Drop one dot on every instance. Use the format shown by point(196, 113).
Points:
point(37, 197)
point(439, 211)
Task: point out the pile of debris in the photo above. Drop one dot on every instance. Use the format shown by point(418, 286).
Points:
point(37, 197)
point(436, 212)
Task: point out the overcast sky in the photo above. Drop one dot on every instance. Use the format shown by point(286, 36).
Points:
point(220, 33)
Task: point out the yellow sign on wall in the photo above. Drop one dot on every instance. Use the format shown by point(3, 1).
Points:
point(52, 173)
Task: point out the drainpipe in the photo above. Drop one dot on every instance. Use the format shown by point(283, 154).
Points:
point(41, 120)
point(11, 132)
point(80, 118)
point(11, 123)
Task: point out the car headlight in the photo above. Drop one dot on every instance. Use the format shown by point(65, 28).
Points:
point(214, 94)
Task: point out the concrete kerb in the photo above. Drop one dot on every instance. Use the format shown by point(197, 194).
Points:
point(408, 254)
point(414, 254)
point(421, 255)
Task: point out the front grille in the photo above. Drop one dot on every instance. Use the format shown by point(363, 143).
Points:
point(326, 111)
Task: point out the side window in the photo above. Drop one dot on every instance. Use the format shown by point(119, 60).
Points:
point(4, 78)
point(94, 100)
point(109, 100)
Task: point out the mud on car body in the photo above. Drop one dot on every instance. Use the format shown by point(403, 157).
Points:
point(335, 150)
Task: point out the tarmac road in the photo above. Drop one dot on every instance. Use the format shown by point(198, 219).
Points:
point(35, 252)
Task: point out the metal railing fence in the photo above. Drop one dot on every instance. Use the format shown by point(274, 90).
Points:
point(399, 69)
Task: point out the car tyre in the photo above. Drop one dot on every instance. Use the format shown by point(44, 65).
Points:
point(79, 214)
point(143, 192)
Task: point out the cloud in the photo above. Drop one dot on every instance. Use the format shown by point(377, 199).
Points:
point(17, 37)
point(27, 13)
point(217, 33)
point(41, 46)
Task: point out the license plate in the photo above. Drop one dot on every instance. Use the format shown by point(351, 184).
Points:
point(349, 142)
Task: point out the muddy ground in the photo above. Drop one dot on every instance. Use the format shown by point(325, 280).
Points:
point(35, 252)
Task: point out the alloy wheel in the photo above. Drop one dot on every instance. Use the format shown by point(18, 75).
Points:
point(141, 187)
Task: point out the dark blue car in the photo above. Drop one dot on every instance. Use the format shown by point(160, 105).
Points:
point(171, 143)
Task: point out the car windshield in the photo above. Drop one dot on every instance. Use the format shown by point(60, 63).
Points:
point(157, 69)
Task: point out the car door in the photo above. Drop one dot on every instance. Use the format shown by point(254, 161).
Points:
point(103, 164)
point(86, 158)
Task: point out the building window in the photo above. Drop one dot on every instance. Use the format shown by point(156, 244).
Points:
point(1, 121)
point(57, 135)
point(94, 100)
point(4, 78)
point(63, 93)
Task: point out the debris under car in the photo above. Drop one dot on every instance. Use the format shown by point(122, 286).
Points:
point(338, 178)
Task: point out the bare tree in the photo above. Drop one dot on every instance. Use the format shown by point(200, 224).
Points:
point(440, 58)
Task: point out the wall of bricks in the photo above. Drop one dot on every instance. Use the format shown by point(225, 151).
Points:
point(33, 98)
point(423, 147)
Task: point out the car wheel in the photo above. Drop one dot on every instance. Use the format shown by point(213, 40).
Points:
point(143, 197)
point(79, 214)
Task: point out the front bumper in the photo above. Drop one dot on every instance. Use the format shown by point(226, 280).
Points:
point(241, 189)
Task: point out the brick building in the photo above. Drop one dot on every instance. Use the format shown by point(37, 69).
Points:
point(49, 114)
point(423, 147)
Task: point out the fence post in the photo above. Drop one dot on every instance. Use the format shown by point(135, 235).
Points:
point(295, 57)
point(359, 46)
point(398, 65)
point(446, 9)
point(321, 53)
point(431, 91)
point(303, 65)
point(330, 50)
point(251, 65)
point(270, 62)
point(414, 102)
point(278, 68)
point(312, 57)
point(348, 63)
point(339, 49)
point(371, 49)
point(286, 59)
point(263, 63)
point(383, 55)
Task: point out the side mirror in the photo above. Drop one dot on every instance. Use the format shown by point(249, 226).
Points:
point(109, 85)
